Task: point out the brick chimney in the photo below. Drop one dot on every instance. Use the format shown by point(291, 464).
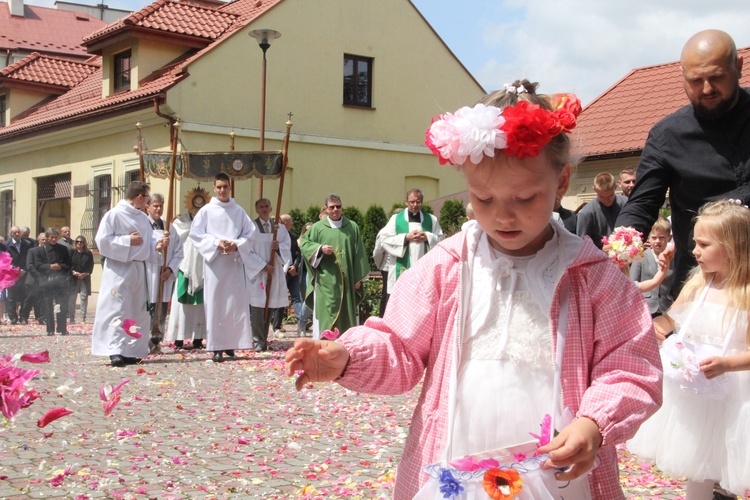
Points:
point(16, 7)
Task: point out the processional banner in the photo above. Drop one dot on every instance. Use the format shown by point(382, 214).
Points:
point(205, 165)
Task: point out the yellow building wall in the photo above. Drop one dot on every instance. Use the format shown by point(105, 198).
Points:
point(581, 187)
point(367, 156)
point(20, 100)
point(149, 55)
point(415, 77)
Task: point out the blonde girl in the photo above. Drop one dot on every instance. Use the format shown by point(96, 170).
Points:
point(702, 430)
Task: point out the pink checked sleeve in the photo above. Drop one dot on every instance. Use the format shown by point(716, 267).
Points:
point(389, 355)
point(618, 342)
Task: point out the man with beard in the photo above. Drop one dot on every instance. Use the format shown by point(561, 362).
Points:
point(699, 153)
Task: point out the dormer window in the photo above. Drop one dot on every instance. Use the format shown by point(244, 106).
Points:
point(122, 71)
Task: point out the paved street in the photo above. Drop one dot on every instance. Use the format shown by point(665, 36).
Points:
point(190, 428)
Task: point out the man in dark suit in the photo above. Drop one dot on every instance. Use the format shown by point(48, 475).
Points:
point(49, 265)
point(26, 236)
point(18, 250)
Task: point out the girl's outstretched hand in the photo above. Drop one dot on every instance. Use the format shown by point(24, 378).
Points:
point(575, 447)
point(317, 360)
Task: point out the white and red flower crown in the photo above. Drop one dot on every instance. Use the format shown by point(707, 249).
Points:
point(521, 130)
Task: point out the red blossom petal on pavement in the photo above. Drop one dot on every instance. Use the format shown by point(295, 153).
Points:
point(52, 415)
point(111, 402)
point(36, 357)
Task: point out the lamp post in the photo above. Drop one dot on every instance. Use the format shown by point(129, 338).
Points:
point(264, 38)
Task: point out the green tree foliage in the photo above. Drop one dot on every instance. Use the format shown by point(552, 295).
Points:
point(370, 306)
point(355, 214)
point(312, 213)
point(452, 216)
point(397, 206)
point(298, 220)
point(375, 219)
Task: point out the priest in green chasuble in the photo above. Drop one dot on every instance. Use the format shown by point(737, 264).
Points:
point(337, 263)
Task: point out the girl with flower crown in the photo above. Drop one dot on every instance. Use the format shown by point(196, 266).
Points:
point(509, 323)
point(702, 430)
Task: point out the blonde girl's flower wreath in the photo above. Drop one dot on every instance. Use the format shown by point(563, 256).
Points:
point(521, 130)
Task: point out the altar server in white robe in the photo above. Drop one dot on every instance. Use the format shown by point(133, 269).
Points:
point(222, 233)
point(125, 238)
point(171, 264)
point(187, 316)
point(277, 294)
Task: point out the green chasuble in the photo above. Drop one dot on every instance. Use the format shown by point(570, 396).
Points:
point(183, 295)
point(336, 275)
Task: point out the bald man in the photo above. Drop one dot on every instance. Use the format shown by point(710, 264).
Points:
point(699, 153)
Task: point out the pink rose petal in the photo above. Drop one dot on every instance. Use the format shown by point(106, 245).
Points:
point(52, 415)
point(36, 357)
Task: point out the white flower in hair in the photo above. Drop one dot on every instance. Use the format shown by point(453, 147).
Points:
point(479, 132)
point(512, 89)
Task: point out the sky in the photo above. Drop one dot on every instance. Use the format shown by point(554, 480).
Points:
point(581, 46)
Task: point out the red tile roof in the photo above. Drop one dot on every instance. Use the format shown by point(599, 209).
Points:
point(48, 70)
point(170, 16)
point(618, 121)
point(84, 100)
point(46, 30)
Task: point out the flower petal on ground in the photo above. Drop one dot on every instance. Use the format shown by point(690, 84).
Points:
point(52, 415)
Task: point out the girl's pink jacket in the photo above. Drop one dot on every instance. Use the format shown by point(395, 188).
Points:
point(611, 371)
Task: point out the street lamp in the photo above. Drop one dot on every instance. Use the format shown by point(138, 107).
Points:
point(264, 38)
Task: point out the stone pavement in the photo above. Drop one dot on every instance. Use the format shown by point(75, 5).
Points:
point(190, 428)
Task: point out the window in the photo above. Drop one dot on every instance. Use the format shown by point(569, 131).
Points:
point(358, 81)
point(6, 211)
point(122, 71)
point(2, 110)
point(98, 203)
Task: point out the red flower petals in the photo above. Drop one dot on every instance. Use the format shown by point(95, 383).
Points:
point(52, 415)
point(111, 396)
point(37, 357)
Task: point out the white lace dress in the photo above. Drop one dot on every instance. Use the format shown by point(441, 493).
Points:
point(504, 385)
point(701, 436)
point(505, 379)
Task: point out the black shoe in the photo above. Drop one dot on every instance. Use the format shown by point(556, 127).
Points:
point(14, 322)
point(218, 357)
point(117, 361)
point(230, 353)
point(721, 496)
point(178, 344)
point(24, 322)
point(131, 361)
point(197, 343)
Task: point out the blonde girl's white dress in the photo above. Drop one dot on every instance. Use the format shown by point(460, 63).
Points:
point(698, 434)
point(506, 372)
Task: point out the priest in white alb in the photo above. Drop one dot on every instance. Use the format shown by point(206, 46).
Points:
point(267, 284)
point(163, 272)
point(222, 233)
point(125, 238)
